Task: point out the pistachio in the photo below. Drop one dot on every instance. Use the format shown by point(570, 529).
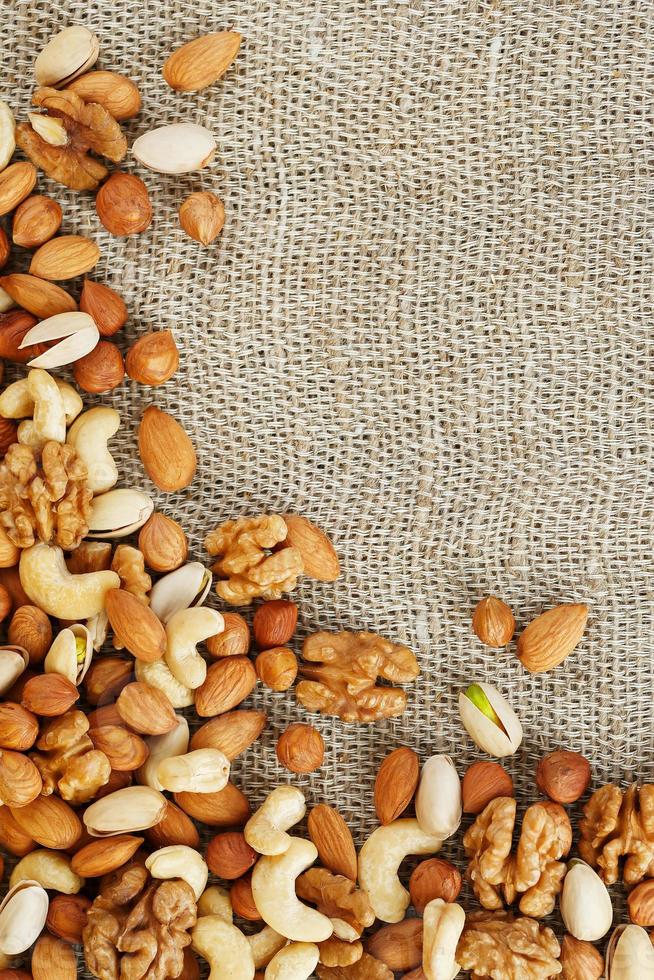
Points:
point(13, 661)
point(438, 801)
point(71, 653)
point(118, 513)
point(124, 811)
point(185, 587)
point(67, 55)
point(586, 907)
point(177, 149)
point(489, 720)
point(22, 916)
point(7, 138)
point(78, 330)
point(630, 954)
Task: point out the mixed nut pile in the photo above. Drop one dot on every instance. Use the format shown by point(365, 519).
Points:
point(112, 762)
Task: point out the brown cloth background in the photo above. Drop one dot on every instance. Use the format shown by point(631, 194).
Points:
point(426, 326)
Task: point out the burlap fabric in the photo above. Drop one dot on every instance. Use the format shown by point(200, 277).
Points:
point(426, 326)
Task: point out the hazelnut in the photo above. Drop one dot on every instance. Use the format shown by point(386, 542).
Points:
point(274, 623)
point(234, 641)
point(243, 901)
point(8, 434)
point(563, 776)
point(301, 749)
point(202, 216)
point(163, 543)
point(123, 205)
point(434, 879)
point(30, 629)
point(493, 622)
point(580, 960)
point(483, 782)
point(229, 855)
point(153, 359)
point(101, 370)
point(640, 903)
point(67, 916)
point(106, 678)
point(276, 668)
point(105, 306)
point(5, 603)
point(36, 221)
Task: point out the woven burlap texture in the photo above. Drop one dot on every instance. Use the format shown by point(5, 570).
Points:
point(426, 326)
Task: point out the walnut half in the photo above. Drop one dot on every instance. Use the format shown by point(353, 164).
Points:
point(619, 825)
point(496, 946)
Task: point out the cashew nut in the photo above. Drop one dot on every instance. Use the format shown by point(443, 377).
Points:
point(49, 584)
point(179, 861)
point(49, 416)
point(89, 436)
point(443, 924)
point(16, 402)
point(51, 869)
point(273, 890)
point(157, 674)
point(163, 747)
point(266, 829)
point(224, 947)
point(379, 861)
point(216, 901)
point(183, 631)
point(201, 771)
point(297, 961)
point(264, 944)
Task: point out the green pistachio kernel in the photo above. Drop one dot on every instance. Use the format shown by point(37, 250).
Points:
point(479, 699)
point(80, 649)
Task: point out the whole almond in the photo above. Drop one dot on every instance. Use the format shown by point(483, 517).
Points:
point(12, 837)
point(19, 728)
point(5, 248)
point(434, 879)
point(135, 626)
point(242, 899)
point(493, 622)
point(153, 359)
point(234, 639)
point(16, 183)
point(396, 784)
point(49, 695)
point(552, 636)
point(53, 959)
point(333, 840)
point(301, 749)
point(105, 306)
point(483, 782)
point(107, 714)
point(229, 681)
point(31, 629)
point(228, 808)
point(104, 855)
point(399, 945)
point(5, 603)
point(123, 205)
point(14, 325)
point(20, 780)
point(67, 916)
point(38, 296)
point(274, 623)
point(318, 553)
point(175, 827)
point(163, 543)
point(118, 94)
point(49, 821)
point(231, 733)
point(202, 216)
point(563, 776)
point(125, 750)
point(229, 856)
point(101, 370)
point(106, 678)
point(36, 221)
point(146, 709)
point(65, 257)
point(166, 450)
point(201, 62)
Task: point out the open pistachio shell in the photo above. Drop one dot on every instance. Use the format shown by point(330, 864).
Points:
point(186, 586)
point(62, 657)
point(125, 811)
point(491, 738)
point(117, 513)
point(98, 627)
point(585, 903)
point(630, 954)
point(13, 661)
point(22, 916)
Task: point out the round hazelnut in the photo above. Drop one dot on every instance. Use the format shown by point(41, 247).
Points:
point(67, 916)
point(105, 306)
point(563, 776)
point(8, 434)
point(229, 855)
point(301, 749)
point(202, 216)
point(434, 879)
point(493, 622)
point(483, 782)
point(101, 370)
point(274, 623)
point(153, 359)
point(276, 668)
point(234, 641)
point(640, 903)
point(163, 543)
point(243, 901)
point(30, 629)
point(5, 603)
point(123, 205)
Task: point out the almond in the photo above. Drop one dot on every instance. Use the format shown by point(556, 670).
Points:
point(201, 62)
point(67, 916)
point(399, 945)
point(242, 899)
point(123, 205)
point(105, 306)
point(580, 960)
point(101, 370)
point(301, 749)
point(493, 622)
point(202, 216)
point(104, 855)
point(396, 784)
point(30, 629)
point(36, 221)
point(49, 695)
point(549, 638)
point(166, 451)
point(49, 821)
point(231, 733)
point(106, 678)
point(117, 780)
point(563, 776)
point(19, 728)
point(5, 249)
point(105, 715)
point(234, 639)
point(12, 837)
point(5, 603)
point(163, 543)
point(277, 668)
point(16, 183)
point(175, 827)
point(434, 879)
point(333, 840)
point(641, 904)
point(65, 257)
point(228, 808)
point(483, 782)
point(38, 296)
point(135, 626)
point(8, 435)
point(153, 359)
point(229, 856)
point(118, 94)
point(146, 709)
point(228, 682)
point(318, 553)
point(53, 959)
point(20, 780)
point(274, 623)
point(125, 750)
point(14, 326)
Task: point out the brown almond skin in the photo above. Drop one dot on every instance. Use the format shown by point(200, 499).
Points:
point(64, 257)
point(31, 629)
point(146, 709)
point(493, 622)
point(103, 303)
point(38, 296)
point(202, 216)
point(36, 221)
point(580, 960)
point(552, 636)
point(166, 451)
point(274, 623)
point(17, 182)
point(201, 62)
point(105, 855)
point(106, 715)
point(106, 678)
point(125, 750)
point(242, 900)
point(333, 839)
point(117, 780)
point(396, 784)
point(234, 640)
point(163, 543)
point(153, 359)
point(483, 782)
point(5, 603)
point(67, 917)
point(399, 945)
point(228, 808)
point(318, 553)
point(228, 682)
point(563, 776)
point(12, 837)
point(135, 625)
point(231, 733)
point(19, 728)
point(20, 780)
point(117, 93)
point(229, 855)
point(49, 695)
point(8, 435)
point(5, 248)
point(432, 879)
point(176, 827)
point(101, 370)
point(640, 903)
point(53, 959)
point(123, 205)
point(49, 821)
point(301, 749)
point(91, 556)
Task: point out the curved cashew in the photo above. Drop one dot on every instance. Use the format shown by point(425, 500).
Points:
point(28, 434)
point(49, 584)
point(157, 674)
point(273, 890)
point(216, 901)
point(89, 436)
point(179, 861)
point(51, 869)
point(266, 829)
point(163, 747)
point(201, 771)
point(183, 631)
point(224, 947)
point(49, 415)
point(442, 924)
point(297, 961)
point(16, 401)
point(379, 861)
point(264, 944)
